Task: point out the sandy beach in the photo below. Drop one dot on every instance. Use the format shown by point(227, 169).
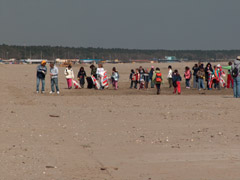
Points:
point(126, 134)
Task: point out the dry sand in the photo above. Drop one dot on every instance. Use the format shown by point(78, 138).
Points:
point(115, 135)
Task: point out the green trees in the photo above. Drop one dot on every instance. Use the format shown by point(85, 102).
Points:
point(50, 52)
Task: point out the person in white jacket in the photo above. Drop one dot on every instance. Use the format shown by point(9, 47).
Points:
point(169, 77)
point(69, 75)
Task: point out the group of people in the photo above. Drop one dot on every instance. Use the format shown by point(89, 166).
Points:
point(141, 78)
point(97, 80)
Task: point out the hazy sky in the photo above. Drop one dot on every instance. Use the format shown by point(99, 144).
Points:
point(141, 24)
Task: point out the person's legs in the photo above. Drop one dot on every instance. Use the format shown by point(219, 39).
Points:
point(38, 82)
point(231, 80)
point(238, 87)
point(43, 85)
point(136, 82)
point(69, 82)
point(179, 87)
point(194, 82)
point(152, 84)
point(116, 85)
point(131, 86)
point(228, 80)
point(235, 87)
point(158, 88)
point(52, 85)
point(56, 84)
point(199, 84)
point(202, 84)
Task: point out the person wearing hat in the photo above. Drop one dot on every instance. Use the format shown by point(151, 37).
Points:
point(236, 77)
point(41, 73)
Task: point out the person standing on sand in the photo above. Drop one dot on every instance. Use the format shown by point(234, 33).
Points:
point(201, 77)
point(93, 71)
point(157, 78)
point(195, 77)
point(136, 78)
point(150, 76)
point(41, 73)
point(208, 75)
point(54, 78)
point(187, 76)
point(229, 75)
point(81, 76)
point(176, 82)
point(69, 75)
point(236, 77)
point(169, 77)
point(131, 77)
point(115, 78)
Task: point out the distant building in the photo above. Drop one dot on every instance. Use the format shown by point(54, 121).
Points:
point(34, 61)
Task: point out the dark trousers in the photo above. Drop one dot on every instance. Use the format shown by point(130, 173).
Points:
point(136, 83)
point(131, 86)
point(170, 82)
point(158, 88)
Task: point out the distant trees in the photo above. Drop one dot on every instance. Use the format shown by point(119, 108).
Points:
point(49, 52)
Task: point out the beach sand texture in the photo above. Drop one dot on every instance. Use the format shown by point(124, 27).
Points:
point(126, 134)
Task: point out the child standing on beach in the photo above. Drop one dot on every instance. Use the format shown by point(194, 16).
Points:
point(131, 77)
point(81, 77)
point(176, 82)
point(137, 78)
point(187, 76)
point(169, 77)
point(201, 77)
point(115, 78)
point(157, 78)
point(69, 75)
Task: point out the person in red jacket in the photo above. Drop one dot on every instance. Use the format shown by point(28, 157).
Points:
point(136, 78)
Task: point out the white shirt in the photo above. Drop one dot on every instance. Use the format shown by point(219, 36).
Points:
point(169, 74)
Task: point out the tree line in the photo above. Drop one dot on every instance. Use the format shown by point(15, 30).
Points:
point(53, 52)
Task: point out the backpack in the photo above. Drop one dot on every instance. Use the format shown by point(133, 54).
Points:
point(159, 77)
point(235, 71)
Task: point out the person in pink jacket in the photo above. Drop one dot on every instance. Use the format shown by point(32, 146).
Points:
point(187, 76)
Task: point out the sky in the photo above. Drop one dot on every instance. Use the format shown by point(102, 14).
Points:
point(134, 24)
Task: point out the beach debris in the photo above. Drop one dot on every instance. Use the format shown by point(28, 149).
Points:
point(176, 146)
point(54, 116)
point(220, 133)
point(103, 169)
point(50, 167)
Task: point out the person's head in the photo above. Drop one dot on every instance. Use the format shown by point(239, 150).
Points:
point(100, 65)
point(218, 66)
point(81, 68)
point(69, 66)
point(215, 67)
point(157, 69)
point(176, 71)
point(137, 70)
point(238, 57)
point(195, 65)
point(170, 67)
point(92, 66)
point(114, 69)
point(132, 71)
point(152, 68)
point(43, 63)
point(201, 69)
point(51, 65)
point(209, 65)
point(229, 63)
point(186, 68)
